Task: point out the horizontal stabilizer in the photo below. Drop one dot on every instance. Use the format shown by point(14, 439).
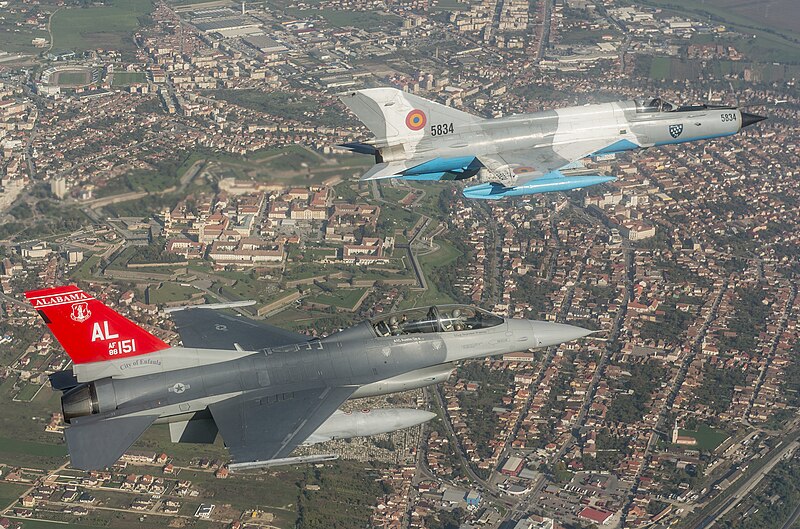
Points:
point(63, 380)
point(96, 444)
point(385, 170)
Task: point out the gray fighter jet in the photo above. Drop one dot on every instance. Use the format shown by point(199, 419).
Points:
point(524, 154)
point(265, 390)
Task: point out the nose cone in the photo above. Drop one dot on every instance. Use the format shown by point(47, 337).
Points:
point(749, 119)
point(548, 333)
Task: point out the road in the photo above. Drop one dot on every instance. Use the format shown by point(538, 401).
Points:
point(787, 308)
point(544, 39)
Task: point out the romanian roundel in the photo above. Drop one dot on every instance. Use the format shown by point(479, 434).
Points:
point(416, 120)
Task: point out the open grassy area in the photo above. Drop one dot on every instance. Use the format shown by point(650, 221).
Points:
point(44, 524)
point(168, 291)
point(707, 438)
point(345, 299)
point(10, 492)
point(450, 5)
point(102, 27)
point(446, 254)
point(660, 68)
point(287, 105)
point(288, 165)
point(128, 78)
point(774, 41)
point(27, 392)
point(16, 446)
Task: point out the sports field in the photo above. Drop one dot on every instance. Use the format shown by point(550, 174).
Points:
point(103, 27)
point(707, 438)
point(78, 77)
point(128, 78)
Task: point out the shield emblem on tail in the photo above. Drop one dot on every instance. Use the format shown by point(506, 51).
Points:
point(80, 312)
point(675, 130)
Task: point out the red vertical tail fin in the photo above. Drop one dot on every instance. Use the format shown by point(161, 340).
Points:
point(87, 329)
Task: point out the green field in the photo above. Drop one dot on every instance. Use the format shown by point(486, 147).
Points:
point(345, 299)
point(16, 35)
point(168, 291)
point(128, 78)
point(450, 5)
point(707, 438)
point(660, 68)
point(84, 270)
point(27, 392)
point(446, 254)
point(15, 446)
point(108, 27)
point(43, 524)
point(773, 41)
point(9, 493)
point(76, 78)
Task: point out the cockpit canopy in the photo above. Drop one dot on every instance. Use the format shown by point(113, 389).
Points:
point(441, 318)
point(654, 104)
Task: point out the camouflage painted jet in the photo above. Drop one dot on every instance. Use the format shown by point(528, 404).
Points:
point(264, 389)
point(524, 154)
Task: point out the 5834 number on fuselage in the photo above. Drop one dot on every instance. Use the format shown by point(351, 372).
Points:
point(442, 129)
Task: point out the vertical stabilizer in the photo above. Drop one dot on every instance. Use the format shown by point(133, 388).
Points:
point(394, 116)
point(87, 329)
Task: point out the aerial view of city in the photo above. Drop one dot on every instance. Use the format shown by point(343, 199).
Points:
point(370, 199)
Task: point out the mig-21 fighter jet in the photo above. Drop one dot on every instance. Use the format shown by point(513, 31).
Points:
point(418, 139)
point(265, 390)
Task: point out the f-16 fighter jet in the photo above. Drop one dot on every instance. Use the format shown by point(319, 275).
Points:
point(264, 389)
point(525, 154)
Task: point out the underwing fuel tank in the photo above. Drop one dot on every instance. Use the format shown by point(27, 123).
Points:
point(550, 183)
point(344, 425)
point(412, 380)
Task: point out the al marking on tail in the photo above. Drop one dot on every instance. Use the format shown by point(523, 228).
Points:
point(87, 329)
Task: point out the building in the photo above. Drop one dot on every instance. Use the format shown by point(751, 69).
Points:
point(58, 187)
point(535, 522)
point(595, 515)
point(204, 511)
point(513, 466)
point(473, 498)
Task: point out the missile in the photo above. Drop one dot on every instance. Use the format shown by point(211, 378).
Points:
point(344, 425)
point(554, 181)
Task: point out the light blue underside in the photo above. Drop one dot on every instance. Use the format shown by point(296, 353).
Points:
point(551, 182)
point(617, 146)
point(442, 165)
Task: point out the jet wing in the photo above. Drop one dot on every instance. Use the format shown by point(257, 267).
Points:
point(214, 329)
point(529, 164)
point(268, 426)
